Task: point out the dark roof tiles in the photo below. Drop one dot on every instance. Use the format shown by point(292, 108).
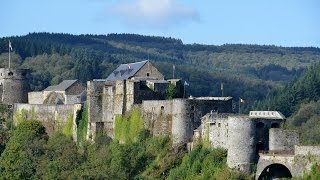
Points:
point(126, 71)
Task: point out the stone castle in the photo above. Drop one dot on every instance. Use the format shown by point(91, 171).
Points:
point(249, 139)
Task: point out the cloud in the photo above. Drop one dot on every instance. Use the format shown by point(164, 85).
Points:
point(154, 13)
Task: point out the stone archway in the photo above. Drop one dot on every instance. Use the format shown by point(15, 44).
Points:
point(275, 171)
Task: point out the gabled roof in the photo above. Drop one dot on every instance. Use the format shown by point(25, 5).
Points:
point(64, 85)
point(126, 71)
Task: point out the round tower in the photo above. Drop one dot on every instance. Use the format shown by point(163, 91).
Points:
point(14, 86)
point(181, 125)
point(241, 143)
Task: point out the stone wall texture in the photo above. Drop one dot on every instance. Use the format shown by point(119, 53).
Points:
point(241, 143)
point(14, 85)
point(52, 117)
point(282, 140)
point(151, 70)
point(35, 97)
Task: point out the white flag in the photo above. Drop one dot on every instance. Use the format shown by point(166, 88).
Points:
point(186, 84)
point(10, 47)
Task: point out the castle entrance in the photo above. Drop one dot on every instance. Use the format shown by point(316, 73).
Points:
point(275, 171)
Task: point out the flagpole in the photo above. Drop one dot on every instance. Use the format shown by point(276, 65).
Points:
point(239, 104)
point(173, 68)
point(9, 54)
point(184, 90)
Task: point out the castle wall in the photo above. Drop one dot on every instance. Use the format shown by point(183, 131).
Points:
point(282, 140)
point(217, 131)
point(15, 86)
point(177, 117)
point(307, 150)
point(157, 116)
point(94, 103)
point(52, 117)
point(35, 97)
point(148, 68)
point(241, 143)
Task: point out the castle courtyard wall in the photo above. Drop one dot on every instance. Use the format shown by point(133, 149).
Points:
point(52, 117)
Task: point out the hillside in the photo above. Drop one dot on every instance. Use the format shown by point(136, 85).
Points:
point(249, 71)
point(299, 100)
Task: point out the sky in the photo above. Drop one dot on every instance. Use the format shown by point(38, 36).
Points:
point(216, 22)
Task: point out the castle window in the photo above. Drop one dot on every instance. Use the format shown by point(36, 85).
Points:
point(162, 108)
point(10, 73)
point(192, 108)
point(219, 124)
point(148, 74)
point(23, 74)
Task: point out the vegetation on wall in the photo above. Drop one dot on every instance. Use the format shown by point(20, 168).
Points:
point(30, 154)
point(128, 127)
point(67, 129)
point(204, 163)
point(82, 124)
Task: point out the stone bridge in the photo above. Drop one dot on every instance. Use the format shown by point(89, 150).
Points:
point(287, 164)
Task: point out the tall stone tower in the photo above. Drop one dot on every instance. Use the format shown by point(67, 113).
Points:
point(14, 86)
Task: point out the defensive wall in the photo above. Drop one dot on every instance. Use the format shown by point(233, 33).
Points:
point(52, 117)
point(178, 117)
point(106, 99)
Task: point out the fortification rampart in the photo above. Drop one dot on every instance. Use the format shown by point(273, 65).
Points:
point(53, 117)
point(282, 140)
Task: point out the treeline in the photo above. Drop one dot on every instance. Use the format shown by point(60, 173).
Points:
point(299, 100)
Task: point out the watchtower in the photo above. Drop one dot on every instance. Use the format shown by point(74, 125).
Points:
point(14, 85)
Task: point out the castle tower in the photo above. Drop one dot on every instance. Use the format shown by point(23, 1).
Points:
point(241, 143)
point(14, 85)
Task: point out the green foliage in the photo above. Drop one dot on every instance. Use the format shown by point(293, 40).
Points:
point(23, 151)
point(128, 127)
point(21, 115)
point(306, 121)
point(60, 159)
point(298, 91)
point(314, 174)
point(82, 124)
point(171, 92)
point(204, 163)
point(67, 129)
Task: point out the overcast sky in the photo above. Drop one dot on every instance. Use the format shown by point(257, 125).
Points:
point(276, 22)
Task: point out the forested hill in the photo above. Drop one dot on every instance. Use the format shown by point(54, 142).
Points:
point(249, 71)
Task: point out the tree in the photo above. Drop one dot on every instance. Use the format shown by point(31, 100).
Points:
point(23, 151)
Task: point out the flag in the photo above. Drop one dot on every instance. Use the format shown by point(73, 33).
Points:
point(173, 67)
point(221, 86)
point(242, 100)
point(186, 84)
point(129, 66)
point(10, 47)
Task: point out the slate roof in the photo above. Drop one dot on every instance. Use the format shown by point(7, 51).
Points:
point(64, 85)
point(126, 71)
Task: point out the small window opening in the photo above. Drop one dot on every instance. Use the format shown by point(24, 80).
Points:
point(219, 124)
point(148, 74)
point(162, 107)
point(192, 108)
point(10, 73)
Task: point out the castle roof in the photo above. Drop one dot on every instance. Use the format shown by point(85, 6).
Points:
point(64, 85)
point(126, 71)
point(266, 115)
